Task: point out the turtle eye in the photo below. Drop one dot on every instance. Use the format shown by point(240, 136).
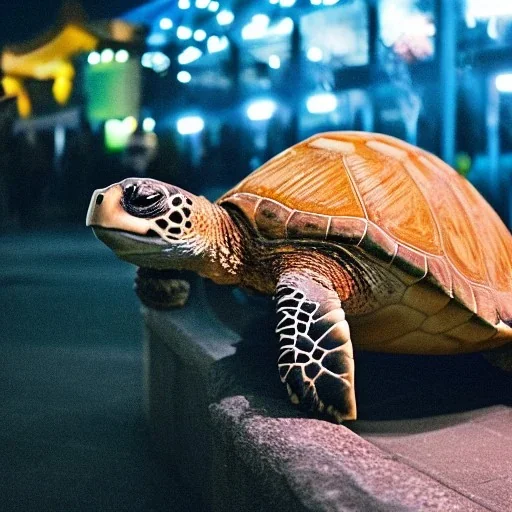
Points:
point(143, 200)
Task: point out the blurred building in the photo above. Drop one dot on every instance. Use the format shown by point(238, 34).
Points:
point(252, 77)
point(226, 84)
point(65, 106)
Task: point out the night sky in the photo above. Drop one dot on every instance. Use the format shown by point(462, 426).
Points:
point(20, 21)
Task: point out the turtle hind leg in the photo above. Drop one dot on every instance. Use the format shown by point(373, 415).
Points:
point(316, 359)
point(500, 357)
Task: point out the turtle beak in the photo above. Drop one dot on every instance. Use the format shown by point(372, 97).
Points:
point(106, 211)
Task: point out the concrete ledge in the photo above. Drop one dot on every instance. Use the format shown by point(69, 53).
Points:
point(221, 419)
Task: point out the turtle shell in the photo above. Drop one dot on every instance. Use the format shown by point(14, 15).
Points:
point(401, 206)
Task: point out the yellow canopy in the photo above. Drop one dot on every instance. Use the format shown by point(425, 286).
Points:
point(51, 59)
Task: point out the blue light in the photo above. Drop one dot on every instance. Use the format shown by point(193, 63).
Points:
point(315, 54)
point(225, 17)
point(217, 44)
point(213, 6)
point(166, 23)
point(156, 39)
point(184, 4)
point(504, 83)
point(184, 77)
point(274, 61)
point(183, 32)
point(189, 54)
point(199, 35)
point(321, 103)
point(287, 3)
point(284, 27)
point(257, 28)
point(492, 28)
point(157, 61)
point(261, 110)
point(202, 4)
point(485, 9)
point(189, 125)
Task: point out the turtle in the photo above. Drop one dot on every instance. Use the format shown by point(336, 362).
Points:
point(362, 240)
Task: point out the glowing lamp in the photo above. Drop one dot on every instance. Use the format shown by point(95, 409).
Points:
point(183, 32)
point(130, 124)
point(189, 54)
point(184, 77)
point(504, 83)
point(94, 58)
point(274, 61)
point(166, 23)
point(322, 103)
point(199, 35)
point(261, 110)
point(116, 136)
point(107, 55)
point(315, 54)
point(190, 125)
point(148, 124)
point(122, 56)
point(225, 17)
point(217, 44)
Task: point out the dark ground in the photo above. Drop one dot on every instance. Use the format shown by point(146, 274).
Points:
point(72, 429)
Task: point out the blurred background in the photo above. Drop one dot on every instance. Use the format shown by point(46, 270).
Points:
point(200, 92)
point(197, 93)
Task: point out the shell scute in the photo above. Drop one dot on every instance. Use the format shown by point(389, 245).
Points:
point(270, 218)
point(408, 265)
point(347, 230)
point(485, 304)
point(440, 274)
point(377, 243)
point(307, 225)
point(451, 316)
point(463, 291)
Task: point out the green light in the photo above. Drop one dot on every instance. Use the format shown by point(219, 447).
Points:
point(117, 133)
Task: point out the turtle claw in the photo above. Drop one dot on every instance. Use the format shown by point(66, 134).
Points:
point(338, 417)
point(331, 413)
point(294, 399)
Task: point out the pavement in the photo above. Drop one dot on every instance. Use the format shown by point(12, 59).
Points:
point(72, 426)
point(72, 429)
point(434, 432)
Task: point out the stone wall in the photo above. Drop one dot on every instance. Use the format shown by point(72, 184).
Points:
point(221, 420)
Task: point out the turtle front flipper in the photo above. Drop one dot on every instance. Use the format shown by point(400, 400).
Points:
point(159, 289)
point(315, 357)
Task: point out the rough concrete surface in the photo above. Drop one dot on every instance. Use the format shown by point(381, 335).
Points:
point(324, 466)
point(437, 431)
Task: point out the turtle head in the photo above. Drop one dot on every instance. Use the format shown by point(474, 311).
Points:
point(156, 225)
